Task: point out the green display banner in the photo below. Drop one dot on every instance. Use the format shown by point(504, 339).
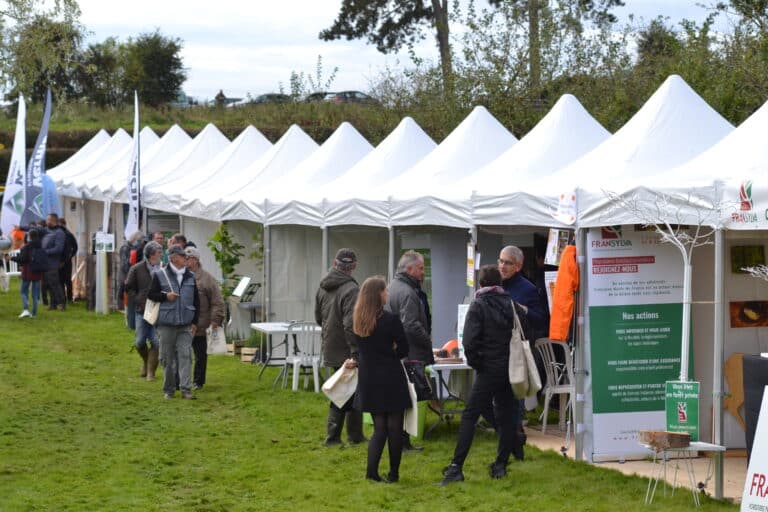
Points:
point(635, 350)
point(682, 407)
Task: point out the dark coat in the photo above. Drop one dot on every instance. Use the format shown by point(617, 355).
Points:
point(24, 258)
point(525, 292)
point(334, 304)
point(381, 382)
point(137, 284)
point(487, 331)
point(53, 243)
point(404, 301)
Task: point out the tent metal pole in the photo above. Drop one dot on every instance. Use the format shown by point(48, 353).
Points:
point(267, 272)
point(718, 358)
point(391, 250)
point(579, 356)
point(324, 256)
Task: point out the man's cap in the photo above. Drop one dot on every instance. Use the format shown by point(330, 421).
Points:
point(346, 256)
point(192, 252)
point(176, 250)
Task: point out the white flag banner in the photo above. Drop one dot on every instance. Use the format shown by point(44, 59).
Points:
point(13, 198)
point(134, 183)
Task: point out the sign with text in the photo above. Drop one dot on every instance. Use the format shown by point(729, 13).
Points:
point(681, 401)
point(635, 293)
point(755, 495)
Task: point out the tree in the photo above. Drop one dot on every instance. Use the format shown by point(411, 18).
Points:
point(392, 24)
point(38, 44)
point(100, 74)
point(154, 68)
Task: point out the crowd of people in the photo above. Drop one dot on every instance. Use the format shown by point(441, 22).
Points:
point(190, 302)
point(45, 257)
point(374, 327)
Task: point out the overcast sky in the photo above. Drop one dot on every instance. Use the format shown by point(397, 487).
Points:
point(252, 46)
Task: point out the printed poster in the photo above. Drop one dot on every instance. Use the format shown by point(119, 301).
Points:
point(635, 293)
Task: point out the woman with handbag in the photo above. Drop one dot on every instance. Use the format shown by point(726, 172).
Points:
point(487, 332)
point(382, 388)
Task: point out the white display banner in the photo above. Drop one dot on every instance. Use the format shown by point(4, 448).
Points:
point(134, 184)
point(635, 292)
point(13, 197)
point(755, 496)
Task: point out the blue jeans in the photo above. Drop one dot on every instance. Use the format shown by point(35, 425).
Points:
point(144, 332)
point(25, 286)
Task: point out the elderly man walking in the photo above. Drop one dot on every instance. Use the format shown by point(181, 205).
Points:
point(407, 299)
point(334, 304)
point(211, 314)
point(137, 284)
point(175, 289)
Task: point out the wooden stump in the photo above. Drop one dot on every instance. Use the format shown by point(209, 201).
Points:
point(663, 440)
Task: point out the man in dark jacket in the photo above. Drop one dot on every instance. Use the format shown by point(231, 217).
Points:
point(523, 291)
point(54, 240)
point(175, 289)
point(69, 252)
point(334, 304)
point(407, 299)
point(137, 284)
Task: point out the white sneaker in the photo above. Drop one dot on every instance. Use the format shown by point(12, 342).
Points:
point(24, 314)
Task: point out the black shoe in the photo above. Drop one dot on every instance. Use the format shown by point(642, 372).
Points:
point(452, 474)
point(374, 478)
point(332, 441)
point(498, 470)
point(392, 478)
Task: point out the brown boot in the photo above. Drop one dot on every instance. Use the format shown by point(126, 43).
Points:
point(152, 362)
point(143, 352)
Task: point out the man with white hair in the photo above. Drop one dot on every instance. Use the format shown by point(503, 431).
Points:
point(522, 290)
point(211, 314)
point(408, 300)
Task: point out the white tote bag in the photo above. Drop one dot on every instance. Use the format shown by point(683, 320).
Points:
point(215, 340)
point(341, 386)
point(518, 362)
point(152, 308)
point(411, 418)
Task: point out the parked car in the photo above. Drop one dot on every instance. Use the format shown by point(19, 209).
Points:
point(316, 96)
point(350, 97)
point(272, 98)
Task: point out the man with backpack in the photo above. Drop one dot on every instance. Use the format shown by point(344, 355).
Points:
point(69, 252)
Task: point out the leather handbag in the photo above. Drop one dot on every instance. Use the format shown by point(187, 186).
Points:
point(417, 376)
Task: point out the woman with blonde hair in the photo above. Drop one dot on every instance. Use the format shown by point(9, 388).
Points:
point(382, 389)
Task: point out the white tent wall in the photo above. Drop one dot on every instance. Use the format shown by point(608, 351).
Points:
point(748, 340)
point(242, 232)
point(295, 271)
point(200, 231)
point(371, 245)
point(448, 262)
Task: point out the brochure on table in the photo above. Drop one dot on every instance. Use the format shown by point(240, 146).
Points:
point(755, 496)
point(635, 290)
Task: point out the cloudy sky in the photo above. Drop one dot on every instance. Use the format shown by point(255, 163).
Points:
point(251, 47)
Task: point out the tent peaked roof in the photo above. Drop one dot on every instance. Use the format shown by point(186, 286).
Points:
point(477, 140)
point(742, 154)
point(115, 145)
point(247, 147)
point(209, 142)
point(401, 149)
point(93, 145)
point(673, 126)
point(566, 133)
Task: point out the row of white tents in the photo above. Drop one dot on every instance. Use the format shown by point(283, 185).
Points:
point(480, 184)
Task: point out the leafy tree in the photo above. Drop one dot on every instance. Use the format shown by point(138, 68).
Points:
point(657, 41)
point(38, 44)
point(392, 24)
point(154, 68)
point(100, 74)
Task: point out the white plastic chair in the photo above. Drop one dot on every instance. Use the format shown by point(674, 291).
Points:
point(560, 379)
point(306, 356)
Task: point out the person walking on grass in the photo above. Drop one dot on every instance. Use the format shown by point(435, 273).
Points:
point(212, 312)
point(175, 289)
point(33, 261)
point(137, 284)
point(382, 389)
point(487, 331)
point(334, 304)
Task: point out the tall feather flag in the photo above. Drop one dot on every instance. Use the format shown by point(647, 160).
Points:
point(134, 176)
point(33, 181)
point(13, 198)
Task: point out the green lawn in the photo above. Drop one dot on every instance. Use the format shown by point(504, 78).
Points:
point(79, 430)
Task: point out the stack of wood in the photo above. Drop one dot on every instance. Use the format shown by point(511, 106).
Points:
point(660, 440)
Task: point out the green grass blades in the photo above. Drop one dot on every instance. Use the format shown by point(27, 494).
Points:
point(80, 431)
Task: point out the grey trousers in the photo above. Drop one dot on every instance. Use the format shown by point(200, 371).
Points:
point(175, 349)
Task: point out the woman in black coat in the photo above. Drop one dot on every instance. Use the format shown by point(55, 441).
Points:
point(382, 389)
point(487, 330)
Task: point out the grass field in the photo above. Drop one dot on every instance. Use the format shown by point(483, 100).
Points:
point(79, 430)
